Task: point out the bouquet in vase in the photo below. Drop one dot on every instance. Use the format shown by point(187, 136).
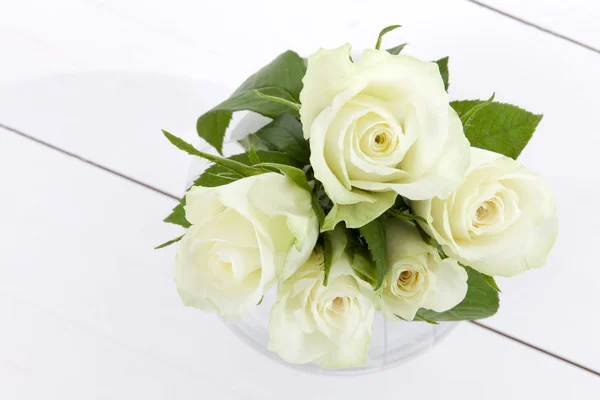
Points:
point(367, 191)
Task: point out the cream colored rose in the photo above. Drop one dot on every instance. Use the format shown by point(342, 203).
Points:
point(501, 221)
point(378, 127)
point(244, 236)
point(417, 276)
point(329, 325)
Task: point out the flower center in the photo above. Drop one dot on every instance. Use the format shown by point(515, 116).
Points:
point(338, 302)
point(407, 279)
point(381, 141)
point(378, 140)
point(339, 305)
point(483, 210)
point(488, 212)
point(405, 275)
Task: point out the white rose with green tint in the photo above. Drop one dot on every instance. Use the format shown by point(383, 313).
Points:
point(502, 221)
point(379, 127)
point(244, 236)
point(329, 325)
point(417, 276)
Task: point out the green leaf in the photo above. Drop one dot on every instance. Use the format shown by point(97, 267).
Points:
point(320, 201)
point(253, 140)
point(383, 32)
point(374, 235)
point(230, 164)
point(481, 301)
point(401, 204)
point(316, 204)
point(168, 243)
point(291, 104)
point(177, 216)
point(281, 78)
point(498, 127)
point(431, 242)
point(396, 50)
point(362, 265)
point(296, 175)
point(468, 116)
point(217, 175)
point(328, 256)
point(283, 134)
point(212, 125)
point(422, 318)
point(253, 156)
point(401, 210)
point(443, 65)
point(405, 214)
point(492, 282)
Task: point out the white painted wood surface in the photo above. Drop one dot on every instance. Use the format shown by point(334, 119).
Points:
point(90, 309)
point(575, 19)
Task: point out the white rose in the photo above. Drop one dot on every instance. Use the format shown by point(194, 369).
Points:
point(379, 127)
point(502, 221)
point(417, 276)
point(329, 325)
point(243, 237)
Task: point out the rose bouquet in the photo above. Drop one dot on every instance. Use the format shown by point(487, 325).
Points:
point(367, 191)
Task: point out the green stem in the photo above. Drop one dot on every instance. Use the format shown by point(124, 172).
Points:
point(279, 100)
point(233, 165)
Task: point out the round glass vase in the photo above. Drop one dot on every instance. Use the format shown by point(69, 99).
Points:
point(392, 343)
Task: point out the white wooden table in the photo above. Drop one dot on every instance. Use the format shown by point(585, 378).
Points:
point(89, 310)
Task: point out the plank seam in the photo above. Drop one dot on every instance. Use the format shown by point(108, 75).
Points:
point(87, 161)
point(534, 347)
point(535, 26)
